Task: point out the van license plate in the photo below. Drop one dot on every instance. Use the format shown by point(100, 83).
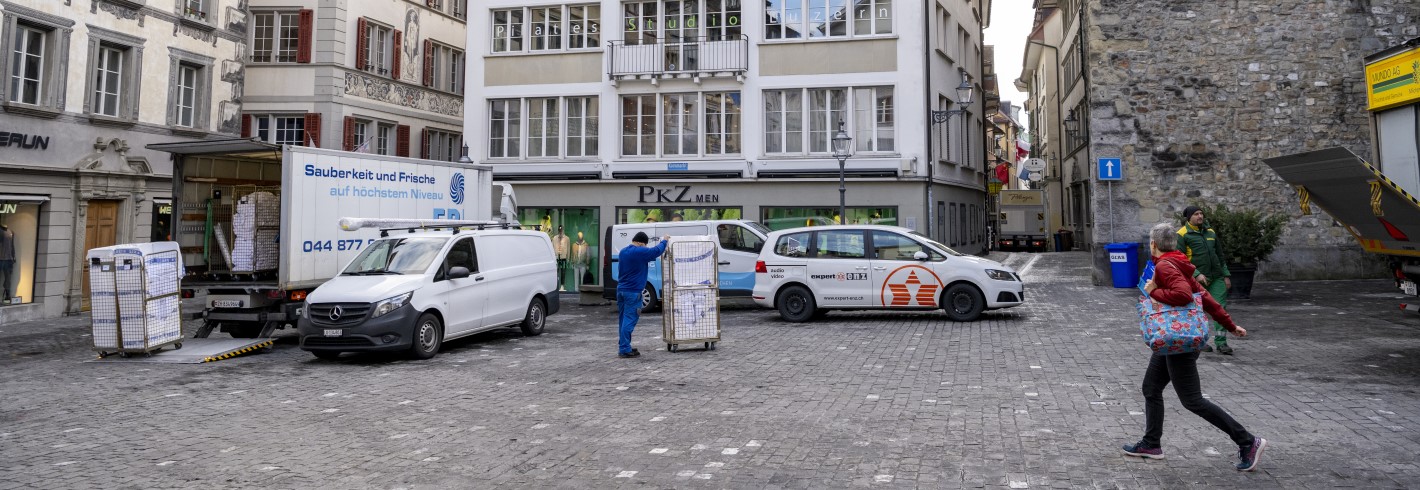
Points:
point(1408, 287)
point(333, 332)
point(226, 303)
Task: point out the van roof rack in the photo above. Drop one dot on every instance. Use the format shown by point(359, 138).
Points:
point(387, 225)
point(385, 232)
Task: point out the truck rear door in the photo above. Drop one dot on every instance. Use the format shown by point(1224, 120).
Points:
point(1384, 218)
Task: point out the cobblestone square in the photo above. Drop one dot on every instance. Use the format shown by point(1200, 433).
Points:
point(1039, 396)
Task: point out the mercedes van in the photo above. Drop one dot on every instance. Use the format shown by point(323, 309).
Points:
point(414, 291)
point(739, 240)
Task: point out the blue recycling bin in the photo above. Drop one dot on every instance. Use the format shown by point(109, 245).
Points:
point(1123, 263)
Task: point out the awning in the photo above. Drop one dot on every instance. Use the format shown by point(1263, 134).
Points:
point(242, 147)
point(23, 198)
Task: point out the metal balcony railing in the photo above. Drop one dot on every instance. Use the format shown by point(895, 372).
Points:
point(673, 58)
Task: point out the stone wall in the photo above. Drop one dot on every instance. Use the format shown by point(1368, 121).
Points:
point(1194, 94)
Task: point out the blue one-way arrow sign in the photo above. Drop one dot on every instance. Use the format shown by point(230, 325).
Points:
point(1110, 169)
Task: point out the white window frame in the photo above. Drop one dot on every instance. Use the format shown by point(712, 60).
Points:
point(817, 140)
point(20, 72)
point(859, 18)
point(518, 27)
point(385, 139)
point(677, 127)
point(443, 145)
point(188, 91)
point(195, 9)
point(728, 118)
point(448, 69)
point(379, 49)
point(722, 24)
point(275, 39)
point(363, 142)
point(108, 73)
point(269, 128)
point(553, 140)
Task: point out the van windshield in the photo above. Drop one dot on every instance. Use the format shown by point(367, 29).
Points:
point(935, 244)
point(396, 256)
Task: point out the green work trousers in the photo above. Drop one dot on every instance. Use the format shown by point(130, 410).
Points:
point(1219, 290)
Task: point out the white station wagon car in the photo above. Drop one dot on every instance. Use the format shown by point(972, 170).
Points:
point(803, 272)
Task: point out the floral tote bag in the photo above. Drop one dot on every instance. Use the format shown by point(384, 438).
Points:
point(1173, 329)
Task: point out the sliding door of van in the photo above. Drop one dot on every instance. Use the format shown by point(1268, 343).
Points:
point(739, 249)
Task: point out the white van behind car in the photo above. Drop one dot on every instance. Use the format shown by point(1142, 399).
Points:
point(412, 291)
point(739, 240)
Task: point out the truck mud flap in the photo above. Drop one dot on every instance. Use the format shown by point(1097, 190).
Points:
point(1384, 218)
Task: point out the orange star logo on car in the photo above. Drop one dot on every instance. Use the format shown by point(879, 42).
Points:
point(908, 286)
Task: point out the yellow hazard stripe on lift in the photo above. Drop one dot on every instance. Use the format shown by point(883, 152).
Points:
point(241, 351)
point(1390, 184)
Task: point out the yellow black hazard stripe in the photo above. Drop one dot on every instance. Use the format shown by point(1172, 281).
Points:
point(1391, 185)
point(241, 351)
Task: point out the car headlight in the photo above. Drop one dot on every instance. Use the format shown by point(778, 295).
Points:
point(1000, 275)
point(391, 304)
point(305, 310)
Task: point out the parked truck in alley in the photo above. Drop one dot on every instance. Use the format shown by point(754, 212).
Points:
point(1022, 221)
point(258, 224)
point(1374, 202)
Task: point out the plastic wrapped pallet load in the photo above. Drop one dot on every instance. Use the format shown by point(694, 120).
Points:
point(134, 292)
point(256, 226)
point(690, 276)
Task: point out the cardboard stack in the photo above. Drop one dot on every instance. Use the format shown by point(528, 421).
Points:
point(135, 296)
point(256, 224)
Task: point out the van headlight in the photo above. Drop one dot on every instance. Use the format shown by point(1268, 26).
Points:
point(391, 304)
point(1000, 275)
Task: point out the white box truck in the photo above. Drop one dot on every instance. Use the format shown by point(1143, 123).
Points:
point(1022, 221)
point(257, 267)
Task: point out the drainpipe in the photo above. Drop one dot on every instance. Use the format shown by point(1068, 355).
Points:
point(927, 101)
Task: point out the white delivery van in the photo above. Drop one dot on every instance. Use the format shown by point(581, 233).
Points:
point(739, 240)
point(804, 272)
point(413, 290)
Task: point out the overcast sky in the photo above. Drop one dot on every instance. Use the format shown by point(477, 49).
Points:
point(1010, 24)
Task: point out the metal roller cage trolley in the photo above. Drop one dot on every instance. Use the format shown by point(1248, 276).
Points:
point(691, 292)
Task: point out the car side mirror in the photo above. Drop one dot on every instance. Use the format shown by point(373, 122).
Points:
point(920, 255)
point(458, 272)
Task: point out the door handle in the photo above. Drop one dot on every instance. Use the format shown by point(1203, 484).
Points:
point(479, 278)
point(880, 268)
point(725, 263)
point(861, 267)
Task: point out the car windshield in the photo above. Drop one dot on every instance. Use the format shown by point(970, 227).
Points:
point(937, 245)
point(396, 256)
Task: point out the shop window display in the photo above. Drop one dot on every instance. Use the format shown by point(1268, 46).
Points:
point(654, 215)
point(19, 227)
point(782, 218)
point(576, 238)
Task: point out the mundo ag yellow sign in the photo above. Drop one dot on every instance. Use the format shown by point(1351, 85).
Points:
point(1393, 81)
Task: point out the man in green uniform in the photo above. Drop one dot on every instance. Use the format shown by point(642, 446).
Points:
point(1198, 240)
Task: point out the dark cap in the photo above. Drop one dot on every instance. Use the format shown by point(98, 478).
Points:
point(1188, 212)
point(640, 237)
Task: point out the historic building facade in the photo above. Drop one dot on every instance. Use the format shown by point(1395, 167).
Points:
point(87, 84)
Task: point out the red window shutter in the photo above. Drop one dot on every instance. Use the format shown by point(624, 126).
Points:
point(424, 143)
point(312, 130)
point(305, 37)
point(398, 51)
point(246, 125)
point(401, 146)
point(349, 133)
point(362, 44)
point(428, 63)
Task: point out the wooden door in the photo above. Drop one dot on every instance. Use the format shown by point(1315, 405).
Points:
point(100, 230)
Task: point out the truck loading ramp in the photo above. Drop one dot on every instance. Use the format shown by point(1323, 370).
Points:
point(197, 351)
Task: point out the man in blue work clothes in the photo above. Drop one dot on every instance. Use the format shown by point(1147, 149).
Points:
point(630, 281)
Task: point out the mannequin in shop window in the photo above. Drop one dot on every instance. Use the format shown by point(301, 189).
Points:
point(7, 260)
point(562, 246)
point(581, 259)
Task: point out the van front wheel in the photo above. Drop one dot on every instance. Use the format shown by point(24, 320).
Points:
point(796, 304)
point(428, 337)
point(535, 319)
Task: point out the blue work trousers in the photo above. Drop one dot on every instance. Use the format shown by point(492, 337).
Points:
point(629, 302)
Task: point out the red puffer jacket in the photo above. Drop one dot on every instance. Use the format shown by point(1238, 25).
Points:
point(1173, 279)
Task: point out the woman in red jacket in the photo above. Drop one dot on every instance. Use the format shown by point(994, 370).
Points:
point(1173, 285)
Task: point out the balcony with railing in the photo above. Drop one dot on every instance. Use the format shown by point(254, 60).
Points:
point(679, 58)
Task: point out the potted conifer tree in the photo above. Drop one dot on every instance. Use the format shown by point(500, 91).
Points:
point(1248, 237)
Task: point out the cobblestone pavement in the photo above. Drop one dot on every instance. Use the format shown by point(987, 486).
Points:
point(1037, 396)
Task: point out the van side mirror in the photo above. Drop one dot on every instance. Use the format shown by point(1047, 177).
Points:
point(919, 256)
point(458, 272)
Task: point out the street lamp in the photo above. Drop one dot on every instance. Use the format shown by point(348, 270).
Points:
point(1072, 123)
point(842, 149)
point(964, 98)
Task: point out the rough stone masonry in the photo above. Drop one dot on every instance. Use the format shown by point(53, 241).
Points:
point(1194, 94)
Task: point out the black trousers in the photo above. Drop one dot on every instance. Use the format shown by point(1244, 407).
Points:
point(1182, 371)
